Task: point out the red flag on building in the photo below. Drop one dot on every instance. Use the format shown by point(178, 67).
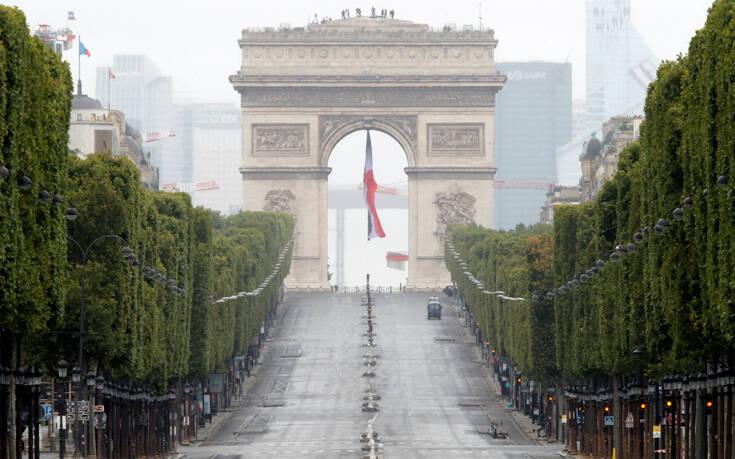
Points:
point(375, 229)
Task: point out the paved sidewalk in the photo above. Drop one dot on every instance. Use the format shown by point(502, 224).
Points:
point(522, 422)
point(203, 433)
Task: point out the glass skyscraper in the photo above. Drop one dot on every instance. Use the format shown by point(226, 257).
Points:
point(533, 117)
point(620, 64)
point(208, 149)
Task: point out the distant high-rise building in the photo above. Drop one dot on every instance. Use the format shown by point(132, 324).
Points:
point(135, 85)
point(206, 155)
point(620, 64)
point(533, 118)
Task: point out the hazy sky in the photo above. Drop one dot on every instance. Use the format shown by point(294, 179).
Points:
point(195, 41)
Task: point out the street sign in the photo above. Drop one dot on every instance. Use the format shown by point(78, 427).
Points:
point(629, 421)
point(609, 420)
point(657, 431)
point(563, 418)
point(47, 411)
point(83, 407)
point(99, 408)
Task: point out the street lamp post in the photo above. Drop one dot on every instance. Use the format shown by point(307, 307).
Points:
point(62, 368)
point(76, 377)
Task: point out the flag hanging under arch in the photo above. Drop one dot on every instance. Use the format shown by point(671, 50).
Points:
point(369, 186)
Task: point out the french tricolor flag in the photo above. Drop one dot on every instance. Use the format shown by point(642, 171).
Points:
point(375, 229)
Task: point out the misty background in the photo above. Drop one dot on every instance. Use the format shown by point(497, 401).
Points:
point(195, 44)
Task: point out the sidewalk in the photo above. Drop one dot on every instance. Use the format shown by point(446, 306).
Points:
point(522, 422)
point(209, 428)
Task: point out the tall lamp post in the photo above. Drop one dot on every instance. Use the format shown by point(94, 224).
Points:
point(62, 367)
point(76, 377)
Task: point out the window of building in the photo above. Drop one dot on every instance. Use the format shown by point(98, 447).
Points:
point(79, 117)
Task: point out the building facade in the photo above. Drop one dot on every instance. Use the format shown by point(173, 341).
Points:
point(534, 118)
point(94, 129)
point(598, 161)
point(206, 155)
point(559, 195)
point(145, 95)
point(600, 158)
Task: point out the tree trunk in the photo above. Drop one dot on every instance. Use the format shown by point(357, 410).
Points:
point(700, 427)
point(13, 436)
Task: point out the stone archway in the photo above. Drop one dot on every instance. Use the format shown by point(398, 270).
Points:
point(333, 128)
point(303, 90)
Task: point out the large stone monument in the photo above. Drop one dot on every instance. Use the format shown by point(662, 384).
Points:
point(304, 89)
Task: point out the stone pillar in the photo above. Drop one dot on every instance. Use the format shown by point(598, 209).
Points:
point(439, 197)
point(302, 192)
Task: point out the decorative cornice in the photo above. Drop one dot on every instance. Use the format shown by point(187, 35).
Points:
point(285, 173)
point(449, 172)
point(240, 80)
point(290, 97)
point(367, 37)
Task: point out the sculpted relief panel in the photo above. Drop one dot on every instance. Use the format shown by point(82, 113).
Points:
point(280, 140)
point(279, 201)
point(456, 139)
point(453, 208)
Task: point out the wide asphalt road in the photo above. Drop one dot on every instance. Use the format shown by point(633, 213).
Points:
point(306, 400)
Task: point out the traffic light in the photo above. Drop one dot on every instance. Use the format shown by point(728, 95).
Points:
point(551, 398)
point(519, 380)
point(606, 409)
point(709, 407)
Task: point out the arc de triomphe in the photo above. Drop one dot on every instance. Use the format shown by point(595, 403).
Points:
point(304, 89)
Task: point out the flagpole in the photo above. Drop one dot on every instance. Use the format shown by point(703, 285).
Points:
point(79, 66)
point(109, 84)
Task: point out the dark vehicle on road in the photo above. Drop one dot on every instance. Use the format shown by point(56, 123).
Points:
point(434, 309)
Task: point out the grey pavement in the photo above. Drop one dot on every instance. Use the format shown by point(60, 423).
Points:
point(306, 400)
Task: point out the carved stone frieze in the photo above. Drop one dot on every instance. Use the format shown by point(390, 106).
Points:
point(279, 201)
point(453, 208)
point(402, 124)
point(367, 97)
point(456, 139)
point(280, 139)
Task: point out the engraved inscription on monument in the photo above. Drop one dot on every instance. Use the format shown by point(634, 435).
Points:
point(280, 139)
point(456, 139)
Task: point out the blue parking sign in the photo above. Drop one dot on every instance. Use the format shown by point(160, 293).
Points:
point(47, 411)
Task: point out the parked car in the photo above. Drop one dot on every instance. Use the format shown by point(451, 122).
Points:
point(434, 309)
